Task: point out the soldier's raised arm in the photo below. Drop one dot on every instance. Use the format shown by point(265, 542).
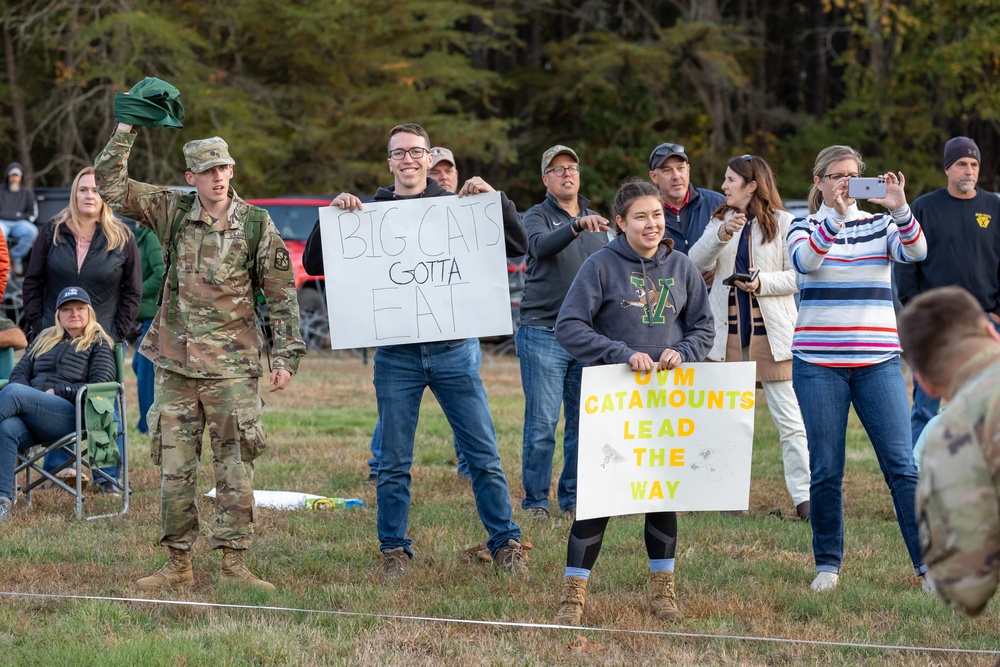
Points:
point(146, 204)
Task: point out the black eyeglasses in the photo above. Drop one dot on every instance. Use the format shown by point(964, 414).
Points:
point(561, 171)
point(837, 177)
point(415, 153)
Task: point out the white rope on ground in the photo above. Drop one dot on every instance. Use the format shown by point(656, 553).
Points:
point(507, 624)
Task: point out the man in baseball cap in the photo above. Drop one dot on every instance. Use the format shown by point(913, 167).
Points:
point(687, 209)
point(962, 224)
point(444, 169)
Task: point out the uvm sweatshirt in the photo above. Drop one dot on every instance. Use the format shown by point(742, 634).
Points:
point(621, 303)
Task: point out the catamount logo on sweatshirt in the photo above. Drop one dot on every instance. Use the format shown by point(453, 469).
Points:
point(649, 296)
point(983, 219)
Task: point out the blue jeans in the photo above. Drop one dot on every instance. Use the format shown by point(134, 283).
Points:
point(879, 395)
point(28, 416)
point(401, 374)
point(376, 446)
point(143, 369)
point(20, 236)
point(924, 409)
point(551, 378)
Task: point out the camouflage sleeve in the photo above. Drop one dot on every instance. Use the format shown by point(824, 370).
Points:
point(958, 503)
point(274, 275)
point(149, 205)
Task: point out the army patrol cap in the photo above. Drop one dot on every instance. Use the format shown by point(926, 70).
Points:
point(550, 155)
point(202, 154)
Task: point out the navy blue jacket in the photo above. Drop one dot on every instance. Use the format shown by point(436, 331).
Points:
point(687, 227)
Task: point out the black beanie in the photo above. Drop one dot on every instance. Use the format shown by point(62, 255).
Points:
point(958, 148)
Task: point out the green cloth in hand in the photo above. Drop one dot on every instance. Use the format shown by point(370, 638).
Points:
point(150, 103)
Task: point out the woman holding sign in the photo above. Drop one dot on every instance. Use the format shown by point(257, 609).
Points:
point(754, 308)
point(670, 325)
point(846, 349)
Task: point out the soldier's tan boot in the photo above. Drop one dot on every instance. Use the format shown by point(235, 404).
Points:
point(176, 572)
point(574, 593)
point(234, 569)
point(664, 603)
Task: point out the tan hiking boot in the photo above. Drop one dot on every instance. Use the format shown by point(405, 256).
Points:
point(394, 563)
point(176, 572)
point(664, 603)
point(233, 568)
point(511, 558)
point(574, 593)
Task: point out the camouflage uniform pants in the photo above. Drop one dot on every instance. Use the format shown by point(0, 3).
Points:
point(231, 410)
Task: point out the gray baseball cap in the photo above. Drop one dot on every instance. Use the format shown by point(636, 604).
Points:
point(202, 154)
point(442, 155)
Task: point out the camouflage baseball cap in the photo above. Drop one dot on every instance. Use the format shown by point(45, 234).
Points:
point(550, 155)
point(202, 154)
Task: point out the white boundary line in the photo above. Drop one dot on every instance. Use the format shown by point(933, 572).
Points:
point(506, 624)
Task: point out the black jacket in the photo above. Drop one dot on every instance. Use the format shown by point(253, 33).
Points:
point(515, 239)
point(112, 279)
point(555, 255)
point(64, 370)
point(17, 206)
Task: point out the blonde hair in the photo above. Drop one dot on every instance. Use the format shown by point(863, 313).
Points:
point(115, 231)
point(51, 336)
point(828, 156)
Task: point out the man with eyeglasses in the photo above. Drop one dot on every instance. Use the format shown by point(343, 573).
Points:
point(688, 209)
point(962, 224)
point(562, 233)
point(403, 371)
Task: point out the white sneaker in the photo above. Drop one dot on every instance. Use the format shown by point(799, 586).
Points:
point(824, 581)
point(927, 584)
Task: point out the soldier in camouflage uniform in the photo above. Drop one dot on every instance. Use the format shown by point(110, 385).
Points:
point(954, 352)
point(205, 345)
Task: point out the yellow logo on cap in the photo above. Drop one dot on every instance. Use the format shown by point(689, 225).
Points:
point(983, 219)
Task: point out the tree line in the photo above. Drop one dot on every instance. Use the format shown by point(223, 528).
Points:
point(306, 90)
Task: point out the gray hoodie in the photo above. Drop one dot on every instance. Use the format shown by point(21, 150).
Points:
point(621, 303)
point(17, 206)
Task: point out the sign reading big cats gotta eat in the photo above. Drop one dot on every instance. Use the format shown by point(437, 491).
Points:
point(677, 440)
point(415, 271)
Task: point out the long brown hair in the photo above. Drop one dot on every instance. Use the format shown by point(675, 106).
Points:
point(828, 156)
point(115, 231)
point(764, 201)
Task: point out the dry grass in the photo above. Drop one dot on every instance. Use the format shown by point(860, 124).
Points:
point(736, 575)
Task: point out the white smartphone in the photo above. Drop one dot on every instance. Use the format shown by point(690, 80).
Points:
point(866, 188)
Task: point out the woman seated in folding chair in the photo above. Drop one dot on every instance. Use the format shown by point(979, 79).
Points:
point(39, 403)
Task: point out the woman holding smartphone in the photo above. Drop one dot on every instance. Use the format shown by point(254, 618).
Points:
point(754, 310)
point(845, 348)
point(599, 323)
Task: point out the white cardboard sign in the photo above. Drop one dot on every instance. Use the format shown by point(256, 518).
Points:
point(678, 440)
point(416, 270)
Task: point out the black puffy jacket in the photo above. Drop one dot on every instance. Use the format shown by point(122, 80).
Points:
point(64, 370)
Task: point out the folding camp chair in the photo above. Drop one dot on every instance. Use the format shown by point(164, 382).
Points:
point(95, 408)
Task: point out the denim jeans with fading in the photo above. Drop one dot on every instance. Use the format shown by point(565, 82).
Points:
point(28, 416)
point(878, 393)
point(401, 374)
point(476, 350)
point(551, 379)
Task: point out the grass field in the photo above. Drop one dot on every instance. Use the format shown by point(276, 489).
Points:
point(736, 576)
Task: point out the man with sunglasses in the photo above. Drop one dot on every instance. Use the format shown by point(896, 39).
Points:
point(403, 371)
point(562, 233)
point(688, 209)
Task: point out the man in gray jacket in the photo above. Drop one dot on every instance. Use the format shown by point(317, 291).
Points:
point(562, 233)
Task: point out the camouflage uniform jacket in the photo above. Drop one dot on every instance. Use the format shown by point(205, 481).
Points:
point(958, 497)
point(212, 332)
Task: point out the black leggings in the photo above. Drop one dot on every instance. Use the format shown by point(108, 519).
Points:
point(587, 535)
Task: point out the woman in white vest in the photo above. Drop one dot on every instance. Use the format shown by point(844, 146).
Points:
point(754, 309)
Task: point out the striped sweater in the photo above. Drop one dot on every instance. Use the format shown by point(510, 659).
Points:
point(846, 315)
